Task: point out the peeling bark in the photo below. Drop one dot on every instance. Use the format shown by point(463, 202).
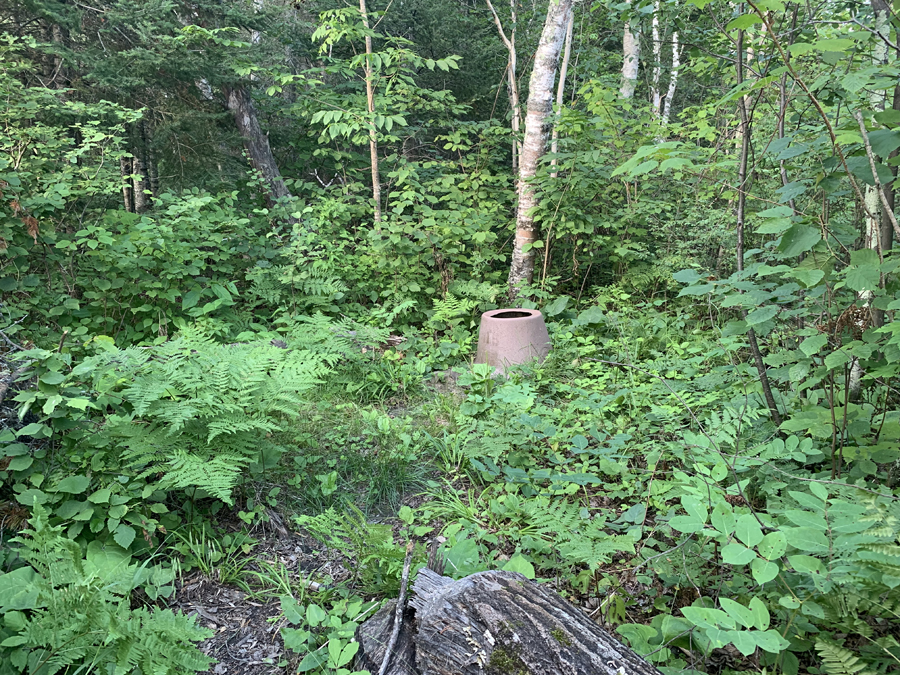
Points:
point(497, 622)
point(631, 57)
point(561, 88)
point(256, 143)
point(540, 108)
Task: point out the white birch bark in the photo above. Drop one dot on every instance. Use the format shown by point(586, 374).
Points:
point(673, 78)
point(561, 89)
point(655, 95)
point(872, 233)
point(539, 109)
point(631, 55)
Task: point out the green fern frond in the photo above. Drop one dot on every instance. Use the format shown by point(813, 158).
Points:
point(837, 660)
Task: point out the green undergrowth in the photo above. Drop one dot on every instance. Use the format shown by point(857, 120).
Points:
point(637, 471)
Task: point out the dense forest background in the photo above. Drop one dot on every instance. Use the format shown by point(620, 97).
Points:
point(244, 248)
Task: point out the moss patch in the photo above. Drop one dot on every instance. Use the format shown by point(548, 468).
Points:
point(560, 637)
point(505, 661)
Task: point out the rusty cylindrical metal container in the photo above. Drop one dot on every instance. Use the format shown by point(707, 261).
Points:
point(511, 336)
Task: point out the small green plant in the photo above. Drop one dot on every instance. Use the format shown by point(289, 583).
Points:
point(65, 609)
point(216, 558)
point(324, 637)
point(376, 560)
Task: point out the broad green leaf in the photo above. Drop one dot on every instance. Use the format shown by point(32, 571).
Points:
point(761, 617)
point(806, 564)
point(836, 359)
point(52, 378)
point(798, 239)
point(761, 315)
point(748, 530)
point(708, 617)
point(743, 21)
point(735, 554)
point(738, 612)
point(190, 299)
point(807, 539)
point(73, 484)
point(686, 524)
point(17, 590)
point(687, 277)
point(702, 289)
point(744, 641)
point(806, 519)
point(315, 615)
point(519, 563)
point(773, 545)
point(771, 641)
point(863, 278)
point(808, 277)
point(695, 507)
point(124, 535)
point(833, 45)
point(884, 141)
point(812, 345)
point(763, 571)
point(723, 519)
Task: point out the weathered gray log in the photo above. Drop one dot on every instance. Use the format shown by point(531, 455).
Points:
point(501, 623)
point(373, 637)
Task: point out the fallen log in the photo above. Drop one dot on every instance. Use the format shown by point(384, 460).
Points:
point(493, 623)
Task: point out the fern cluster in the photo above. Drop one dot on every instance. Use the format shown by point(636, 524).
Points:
point(578, 538)
point(369, 548)
point(65, 612)
point(196, 413)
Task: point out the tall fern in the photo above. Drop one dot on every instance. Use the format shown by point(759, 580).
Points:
point(195, 413)
point(70, 612)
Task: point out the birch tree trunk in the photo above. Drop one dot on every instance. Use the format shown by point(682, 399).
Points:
point(370, 106)
point(127, 186)
point(256, 143)
point(140, 183)
point(561, 89)
point(540, 107)
point(655, 94)
point(631, 55)
point(673, 78)
point(512, 82)
point(872, 235)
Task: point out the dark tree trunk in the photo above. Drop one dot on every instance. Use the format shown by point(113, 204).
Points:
point(256, 143)
point(494, 623)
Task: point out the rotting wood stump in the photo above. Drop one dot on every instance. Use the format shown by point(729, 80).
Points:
point(494, 623)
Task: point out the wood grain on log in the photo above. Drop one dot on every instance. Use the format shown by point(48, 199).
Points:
point(501, 623)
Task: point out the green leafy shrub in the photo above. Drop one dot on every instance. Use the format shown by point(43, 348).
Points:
point(69, 611)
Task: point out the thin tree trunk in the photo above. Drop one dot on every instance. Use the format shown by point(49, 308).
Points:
point(875, 216)
point(655, 94)
point(742, 198)
point(512, 82)
point(370, 105)
point(631, 56)
point(256, 143)
point(540, 107)
point(140, 182)
point(673, 77)
point(127, 187)
point(561, 90)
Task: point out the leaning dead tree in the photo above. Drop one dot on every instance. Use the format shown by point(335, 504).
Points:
point(492, 623)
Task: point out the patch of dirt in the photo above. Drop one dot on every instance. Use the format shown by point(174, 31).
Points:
point(247, 639)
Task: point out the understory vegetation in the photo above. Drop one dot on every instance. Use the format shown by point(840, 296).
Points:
point(210, 338)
